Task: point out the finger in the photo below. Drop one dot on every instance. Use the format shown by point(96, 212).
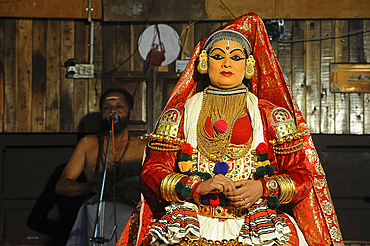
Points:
point(226, 182)
point(239, 183)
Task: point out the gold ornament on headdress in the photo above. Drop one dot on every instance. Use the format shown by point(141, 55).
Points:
point(249, 69)
point(203, 62)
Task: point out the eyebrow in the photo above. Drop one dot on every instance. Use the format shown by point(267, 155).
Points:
point(217, 48)
point(223, 51)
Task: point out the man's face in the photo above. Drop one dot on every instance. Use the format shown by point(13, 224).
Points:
point(115, 103)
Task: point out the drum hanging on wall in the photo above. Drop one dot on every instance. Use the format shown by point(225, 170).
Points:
point(159, 45)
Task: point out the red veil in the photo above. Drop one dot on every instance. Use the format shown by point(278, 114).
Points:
point(315, 214)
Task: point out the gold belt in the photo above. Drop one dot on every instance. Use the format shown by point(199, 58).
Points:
point(221, 212)
point(204, 242)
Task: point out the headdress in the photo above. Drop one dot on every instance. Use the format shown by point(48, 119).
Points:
point(269, 83)
point(228, 34)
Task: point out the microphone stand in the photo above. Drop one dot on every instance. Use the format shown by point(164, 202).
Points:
point(98, 237)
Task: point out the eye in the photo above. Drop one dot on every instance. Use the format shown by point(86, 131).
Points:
point(217, 57)
point(237, 58)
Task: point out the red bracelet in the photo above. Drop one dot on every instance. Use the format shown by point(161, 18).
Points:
point(265, 191)
point(196, 194)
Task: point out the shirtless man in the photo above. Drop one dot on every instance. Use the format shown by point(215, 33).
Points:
point(124, 167)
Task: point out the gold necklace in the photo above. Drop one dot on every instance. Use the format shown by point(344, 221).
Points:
point(227, 105)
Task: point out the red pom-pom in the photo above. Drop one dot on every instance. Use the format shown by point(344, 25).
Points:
point(261, 148)
point(214, 202)
point(187, 148)
point(221, 126)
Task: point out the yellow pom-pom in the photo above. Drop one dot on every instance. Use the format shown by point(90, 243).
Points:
point(185, 166)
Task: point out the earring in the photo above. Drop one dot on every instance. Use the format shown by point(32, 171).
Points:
point(249, 70)
point(203, 62)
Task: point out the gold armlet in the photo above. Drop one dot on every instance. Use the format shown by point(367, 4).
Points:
point(289, 138)
point(168, 187)
point(286, 186)
point(288, 149)
point(165, 136)
point(163, 143)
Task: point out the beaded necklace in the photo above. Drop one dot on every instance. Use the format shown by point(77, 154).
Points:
point(218, 104)
point(115, 163)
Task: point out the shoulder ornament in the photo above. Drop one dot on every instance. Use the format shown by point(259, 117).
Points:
point(165, 136)
point(286, 132)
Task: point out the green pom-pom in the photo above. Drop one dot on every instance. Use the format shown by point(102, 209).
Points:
point(203, 175)
point(224, 202)
point(273, 202)
point(263, 157)
point(179, 186)
point(207, 176)
point(185, 192)
point(185, 157)
point(261, 171)
point(270, 169)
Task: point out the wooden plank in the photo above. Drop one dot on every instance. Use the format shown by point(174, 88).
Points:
point(24, 76)
point(322, 9)
point(50, 9)
point(367, 95)
point(39, 52)
point(342, 99)
point(53, 64)
point(172, 66)
point(123, 47)
point(356, 53)
point(187, 40)
point(201, 30)
point(313, 83)
point(142, 10)
point(10, 75)
point(137, 62)
point(109, 53)
point(2, 36)
point(327, 98)
point(95, 84)
point(227, 10)
point(80, 96)
point(66, 85)
point(298, 72)
point(174, 10)
point(284, 51)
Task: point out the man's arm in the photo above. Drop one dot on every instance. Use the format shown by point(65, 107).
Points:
point(67, 184)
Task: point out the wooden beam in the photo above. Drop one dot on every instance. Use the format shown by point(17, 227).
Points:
point(145, 10)
point(190, 10)
point(74, 9)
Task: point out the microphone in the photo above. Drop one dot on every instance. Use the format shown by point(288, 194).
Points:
point(113, 117)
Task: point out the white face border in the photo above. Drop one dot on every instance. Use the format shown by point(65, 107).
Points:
point(227, 62)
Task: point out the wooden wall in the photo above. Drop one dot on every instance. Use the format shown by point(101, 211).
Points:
point(37, 97)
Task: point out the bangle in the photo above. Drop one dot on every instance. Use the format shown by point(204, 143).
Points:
point(286, 186)
point(167, 187)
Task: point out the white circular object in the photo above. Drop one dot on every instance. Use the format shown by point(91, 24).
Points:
point(169, 38)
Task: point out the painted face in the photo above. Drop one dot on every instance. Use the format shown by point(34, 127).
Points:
point(226, 67)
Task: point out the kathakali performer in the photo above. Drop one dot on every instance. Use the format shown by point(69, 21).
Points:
point(231, 152)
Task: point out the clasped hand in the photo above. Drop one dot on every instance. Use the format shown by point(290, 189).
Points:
point(243, 193)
